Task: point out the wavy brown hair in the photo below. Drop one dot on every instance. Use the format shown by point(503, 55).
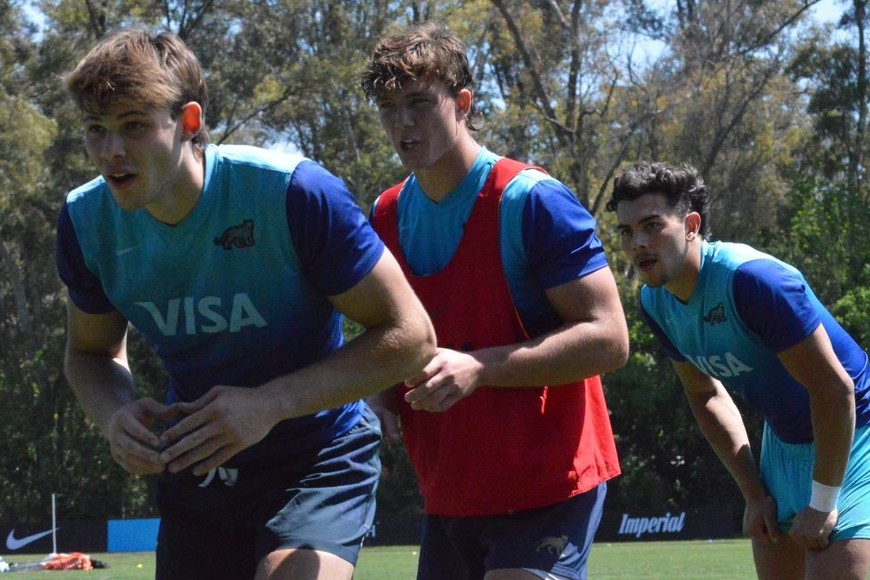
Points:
point(428, 52)
point(152, 70)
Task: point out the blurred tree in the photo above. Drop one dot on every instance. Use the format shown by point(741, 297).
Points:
point(731, 111)
point(33, 415)
point(835, 75)
point(822, 226)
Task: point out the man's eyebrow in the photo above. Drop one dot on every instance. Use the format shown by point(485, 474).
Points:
point(408, 95)
point(124, 115)
point(643, 220)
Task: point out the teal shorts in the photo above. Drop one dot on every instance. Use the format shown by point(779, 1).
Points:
point(787, 471)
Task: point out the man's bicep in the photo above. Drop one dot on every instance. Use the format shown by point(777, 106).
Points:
point(814, 364)
point(95, 333)
point(383, 296)
point(590, 298)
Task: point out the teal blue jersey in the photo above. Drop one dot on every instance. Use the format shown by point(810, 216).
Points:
point(748, 306)
point(235, 294)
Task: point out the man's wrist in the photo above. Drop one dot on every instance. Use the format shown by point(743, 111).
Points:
point(824, 497)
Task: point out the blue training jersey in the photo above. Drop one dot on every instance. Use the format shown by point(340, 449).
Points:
point(748, 306)
point(547, 237)
point(235, 294)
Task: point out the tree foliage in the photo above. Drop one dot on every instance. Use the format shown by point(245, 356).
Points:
point(769, 106)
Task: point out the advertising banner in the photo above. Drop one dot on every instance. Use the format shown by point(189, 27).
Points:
point(133, 535)
point(41, 539)
point(711, 522)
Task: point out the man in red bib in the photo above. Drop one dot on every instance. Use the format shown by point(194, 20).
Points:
point(506, 427)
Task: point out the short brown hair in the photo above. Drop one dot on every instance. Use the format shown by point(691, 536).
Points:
point(154, 70)
point(428, 52)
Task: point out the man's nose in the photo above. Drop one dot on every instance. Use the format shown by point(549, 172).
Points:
point(113, 146)
point(404, 116)
point(635, 240)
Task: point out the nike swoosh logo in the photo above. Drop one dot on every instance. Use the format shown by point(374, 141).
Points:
point(13, 543)
point(120, 253)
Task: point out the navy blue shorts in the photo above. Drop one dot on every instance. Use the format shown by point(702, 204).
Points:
point(220, 526)
point(554, 539)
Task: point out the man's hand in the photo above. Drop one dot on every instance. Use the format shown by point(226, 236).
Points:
point(134, 445)
point(385, 406)
point(759, 520)
point(219, 425)
point(812, 529)
point(448, 378)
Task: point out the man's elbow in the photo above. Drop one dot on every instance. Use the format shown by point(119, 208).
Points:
point(618, 351)
point(410, 343)
point(615, 346)
point(421, 344)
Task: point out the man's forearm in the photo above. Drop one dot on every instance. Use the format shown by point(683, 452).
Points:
point(101, 385)
point(573, 352)
point(723, 427)
point(833, 430)
point(375, 360)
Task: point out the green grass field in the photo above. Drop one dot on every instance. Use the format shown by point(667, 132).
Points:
point(719, 559)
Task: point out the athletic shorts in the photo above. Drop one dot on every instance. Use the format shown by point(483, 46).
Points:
point(220, 526)
point(787, 471)
point(551, 540)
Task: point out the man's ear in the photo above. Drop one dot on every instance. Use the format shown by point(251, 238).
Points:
point(191, 119)
point(463, 101)
point(693, 225)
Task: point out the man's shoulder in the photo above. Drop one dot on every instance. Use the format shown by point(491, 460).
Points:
point(524, 171)
point(533, 181)
point(744, 261)
point(268, 171)
point(258, 157)
point(733, 254)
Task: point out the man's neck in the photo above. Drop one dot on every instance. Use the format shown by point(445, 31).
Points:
point(442, 178)
point(186, 190)
point(683, 286)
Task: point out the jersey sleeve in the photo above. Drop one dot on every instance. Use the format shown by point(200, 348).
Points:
point(662, 338)
point(773, 302)
point(85, 289)
point(335, 243)
point(559, 235)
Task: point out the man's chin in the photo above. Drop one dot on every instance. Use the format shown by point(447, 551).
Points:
point(652, 282)
point(124, 202)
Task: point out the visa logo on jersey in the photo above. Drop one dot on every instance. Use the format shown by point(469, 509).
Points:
point(721, 366)
point(207, 315)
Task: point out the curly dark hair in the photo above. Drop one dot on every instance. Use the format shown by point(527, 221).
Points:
point(682, 186)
